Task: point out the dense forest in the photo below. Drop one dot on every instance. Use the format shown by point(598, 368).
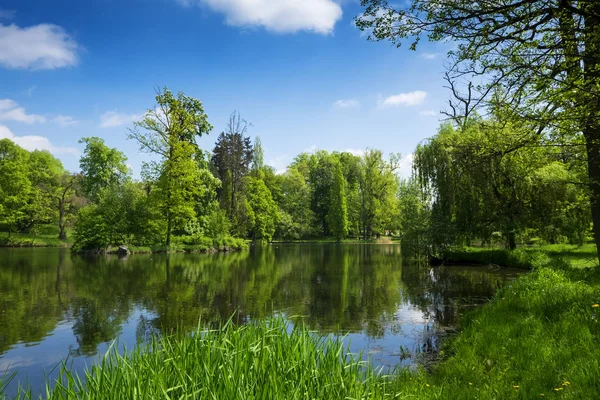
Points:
point(492, 180)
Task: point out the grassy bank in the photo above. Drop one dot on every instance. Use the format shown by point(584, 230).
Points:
point(207, 245)
point(524, 257)
point(29, 240)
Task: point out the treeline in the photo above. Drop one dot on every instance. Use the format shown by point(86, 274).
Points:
point(191, 198)
point(496, 181)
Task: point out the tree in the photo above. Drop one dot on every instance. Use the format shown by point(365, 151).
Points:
point(263, 210)
point(101, 167)
point(15, 186)
point(476, 189)
point(296, 219)
point(67, 201)
point(378, 188)
point(321, 181)
point(44, 172)
point(170, 131)
point(338, 213)
point(545, 55)
point(231, 160)
point(258, 157)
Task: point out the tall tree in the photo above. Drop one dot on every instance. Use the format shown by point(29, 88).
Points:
point(101, 167)
point(67, 201)
point(170, 130)
point(263, 210)
point(258, 157)
point(15, 186)
point(232, 155)
point(545, 55)
point(45, 172)
point(338, 212)
point(378, 188)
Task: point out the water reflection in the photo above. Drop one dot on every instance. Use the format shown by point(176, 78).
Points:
point(54, 304)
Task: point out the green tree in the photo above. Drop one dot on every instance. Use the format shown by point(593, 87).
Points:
point(45, 172)
point(378, 188)
point(296, 219)
point(101, 167)
point(67, 201)
point(263, 210)
point(231, 160)
point(545, 55)
point(170, 131)
point(338, 213)
point(15, 186)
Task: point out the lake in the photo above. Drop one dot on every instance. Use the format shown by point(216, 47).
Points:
point(55, 306)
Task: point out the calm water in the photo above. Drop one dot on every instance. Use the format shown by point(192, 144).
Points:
point(55, 305)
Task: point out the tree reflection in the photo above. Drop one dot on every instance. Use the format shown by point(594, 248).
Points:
point(332, 288)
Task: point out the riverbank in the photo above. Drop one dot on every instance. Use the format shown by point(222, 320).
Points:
point(523, 257)
point(223, 245)
point(27, 240)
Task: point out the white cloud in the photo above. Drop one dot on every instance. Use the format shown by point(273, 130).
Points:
point(429, 113)
point(65, 120)
point(405, 167)
point(349, 103)
point(356, 152)
point(113, 119)
point(29, 92)
point(429, 56)
point(404, 99)
point(279, 162)
point(10, 111)
point(280, 16)
point(41, 46)
point(34, 142)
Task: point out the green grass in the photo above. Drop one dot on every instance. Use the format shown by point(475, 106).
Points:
point(265, 360)
point(525, 257)
point(29, 240)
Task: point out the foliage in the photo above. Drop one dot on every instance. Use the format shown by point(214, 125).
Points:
point(337, 218)
point(15, 187)
point(231, 160)
point(263, 210)
point(101, 166)
point(476, 180)
point(538, 60)
point(170, 131)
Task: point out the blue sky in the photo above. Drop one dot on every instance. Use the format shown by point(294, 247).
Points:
point(298, 70)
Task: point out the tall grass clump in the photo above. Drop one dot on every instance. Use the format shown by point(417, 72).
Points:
point(266, 360)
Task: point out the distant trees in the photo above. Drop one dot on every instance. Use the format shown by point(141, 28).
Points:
point(473, 182)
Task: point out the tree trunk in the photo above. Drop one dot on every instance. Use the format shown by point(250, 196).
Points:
point(512, 240)
point(590, 105)
point(592, 138)
point(169, 223)
point(61, 222)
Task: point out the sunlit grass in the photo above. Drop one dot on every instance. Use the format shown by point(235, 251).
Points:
point(266, 360)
